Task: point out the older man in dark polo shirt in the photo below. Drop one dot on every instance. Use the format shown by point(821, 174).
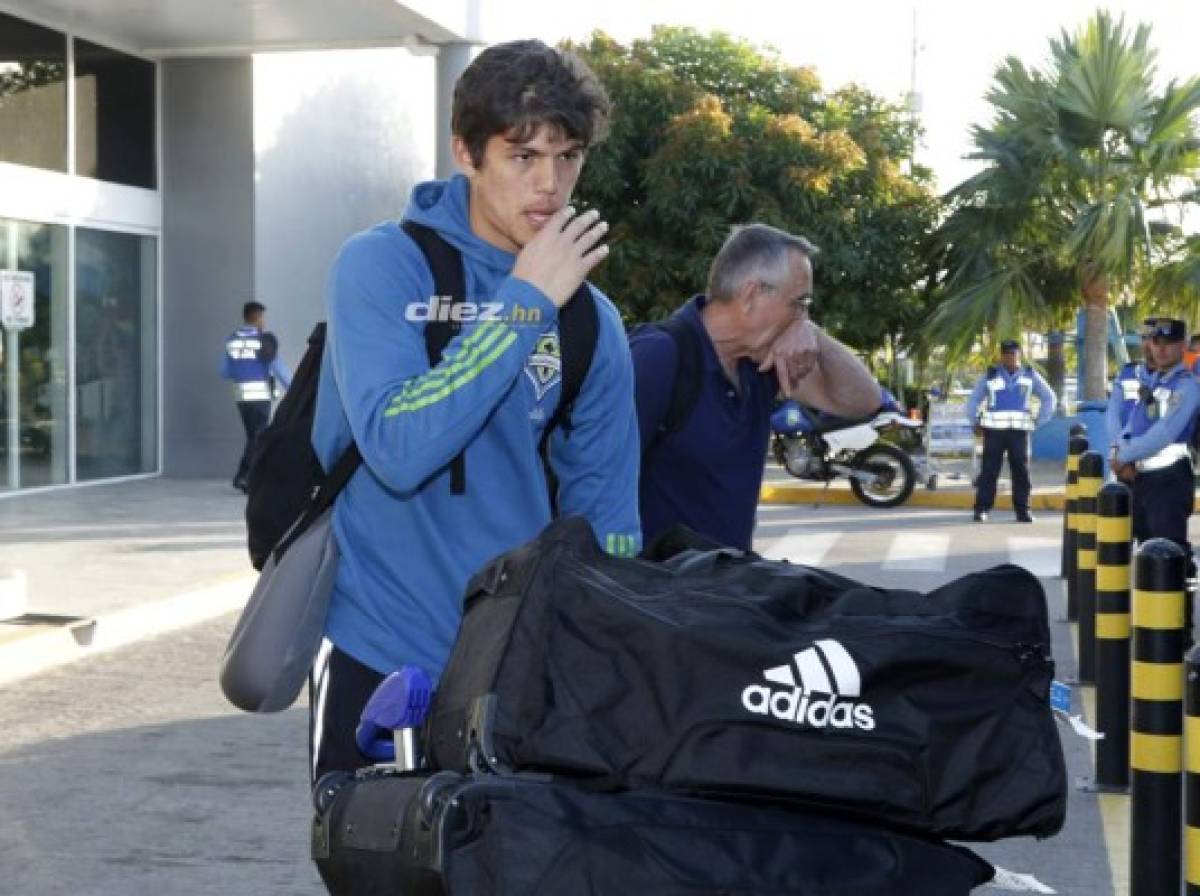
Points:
point(756, 341)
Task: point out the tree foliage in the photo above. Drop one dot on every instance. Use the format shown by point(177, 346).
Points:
point(709, 131)
point(1080, 159)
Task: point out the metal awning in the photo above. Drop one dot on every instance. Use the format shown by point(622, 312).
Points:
point(171, 28)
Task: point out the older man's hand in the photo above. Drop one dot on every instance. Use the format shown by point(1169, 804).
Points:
point(794, 354)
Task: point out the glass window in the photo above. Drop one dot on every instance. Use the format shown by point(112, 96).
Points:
point(33, 95)
point(116, 407)
point(114, 116)
point(33, 375)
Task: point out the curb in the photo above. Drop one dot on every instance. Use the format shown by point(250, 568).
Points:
point(956, 499)
point(27, 651)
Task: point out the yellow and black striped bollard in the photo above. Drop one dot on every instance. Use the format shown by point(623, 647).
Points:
point(1191, 776)
point(1076, 448)
point(1087, 490)
point(1113, 554)
point(1156, 741)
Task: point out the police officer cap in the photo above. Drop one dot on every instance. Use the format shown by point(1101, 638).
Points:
point(1169, 329)
point(1010, 345)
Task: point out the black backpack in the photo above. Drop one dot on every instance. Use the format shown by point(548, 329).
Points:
point(685, 387)
point(286, 480)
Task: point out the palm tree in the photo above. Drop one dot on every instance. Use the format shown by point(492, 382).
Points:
point(1080, 159)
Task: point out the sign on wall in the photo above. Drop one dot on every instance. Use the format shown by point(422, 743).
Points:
point(16, 300)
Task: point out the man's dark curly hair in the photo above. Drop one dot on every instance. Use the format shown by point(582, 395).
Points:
point(517, 87)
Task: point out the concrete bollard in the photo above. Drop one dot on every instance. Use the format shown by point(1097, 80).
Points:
point(1087, 490)
point(1077, 447)
point(1113, 578)
point(1191, 776)
point(1156, 739)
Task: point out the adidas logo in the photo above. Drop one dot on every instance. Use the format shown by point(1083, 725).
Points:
point(826, 672)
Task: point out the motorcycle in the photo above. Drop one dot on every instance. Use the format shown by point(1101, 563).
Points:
point(811, 446)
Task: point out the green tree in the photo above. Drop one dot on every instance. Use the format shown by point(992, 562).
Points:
point(708, 132)
point(1080, 158)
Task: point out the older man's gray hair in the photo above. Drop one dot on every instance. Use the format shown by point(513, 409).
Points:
point(754, 252)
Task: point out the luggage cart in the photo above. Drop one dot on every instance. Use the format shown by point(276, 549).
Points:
point(951, 451)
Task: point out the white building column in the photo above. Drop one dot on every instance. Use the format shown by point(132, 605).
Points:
point(452, 61)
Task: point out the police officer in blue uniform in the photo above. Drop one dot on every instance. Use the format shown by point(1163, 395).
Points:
point(252, 361)
point(1127, 384)
point(1152, 451)
point(999, 409)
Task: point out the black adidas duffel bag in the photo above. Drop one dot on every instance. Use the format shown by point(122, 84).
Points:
point(486, 835)
point(756, 680)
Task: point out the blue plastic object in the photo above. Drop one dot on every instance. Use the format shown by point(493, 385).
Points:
point(402, 700)
point(789, 419)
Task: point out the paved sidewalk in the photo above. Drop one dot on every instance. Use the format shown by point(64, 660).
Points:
point(106, 565)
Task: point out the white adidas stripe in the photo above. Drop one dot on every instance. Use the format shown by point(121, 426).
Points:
point(814, 678)
point(781, 675)
point(845, 672)
point(812, 672)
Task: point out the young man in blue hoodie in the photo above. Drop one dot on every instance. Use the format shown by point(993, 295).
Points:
point(524, 115)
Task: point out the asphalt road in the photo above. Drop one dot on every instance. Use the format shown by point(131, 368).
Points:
point(129, 774)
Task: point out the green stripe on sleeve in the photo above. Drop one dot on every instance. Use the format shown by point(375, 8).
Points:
point(472, 347)
point(424, 400)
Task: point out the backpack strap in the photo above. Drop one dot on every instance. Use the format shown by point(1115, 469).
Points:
point(578, 331)
point(685, 387)
point(449, 282)
point(325, 494)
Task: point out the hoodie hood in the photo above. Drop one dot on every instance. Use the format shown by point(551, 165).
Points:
point(445, 206)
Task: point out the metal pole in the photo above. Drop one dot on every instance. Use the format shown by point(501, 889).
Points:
point(12, 374)
point(1156, 741)
point(1091, 478)
point(1113, 553)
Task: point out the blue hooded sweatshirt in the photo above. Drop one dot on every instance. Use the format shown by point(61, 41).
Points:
point(408, 546)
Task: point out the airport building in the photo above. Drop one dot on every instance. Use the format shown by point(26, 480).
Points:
point(161, 163)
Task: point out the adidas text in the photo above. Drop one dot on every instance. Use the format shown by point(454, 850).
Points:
point(811, 685)
point(819, 712)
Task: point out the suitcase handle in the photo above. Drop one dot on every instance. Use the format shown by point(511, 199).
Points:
point(386, 731)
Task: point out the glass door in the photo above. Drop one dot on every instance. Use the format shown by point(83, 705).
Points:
point(33, 374)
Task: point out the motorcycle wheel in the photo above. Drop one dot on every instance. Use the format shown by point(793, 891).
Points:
point(895, 476)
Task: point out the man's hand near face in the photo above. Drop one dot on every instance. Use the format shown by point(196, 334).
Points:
point(816, 370)
point(562, 253)
point(794, 354)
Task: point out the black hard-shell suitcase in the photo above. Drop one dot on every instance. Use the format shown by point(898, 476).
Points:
point(737, 678)
point(411, 834)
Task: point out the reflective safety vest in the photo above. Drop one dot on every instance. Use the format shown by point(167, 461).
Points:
point(1130, 379)
point(1150, 409)
point(246, 365)
point(1007, 404)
